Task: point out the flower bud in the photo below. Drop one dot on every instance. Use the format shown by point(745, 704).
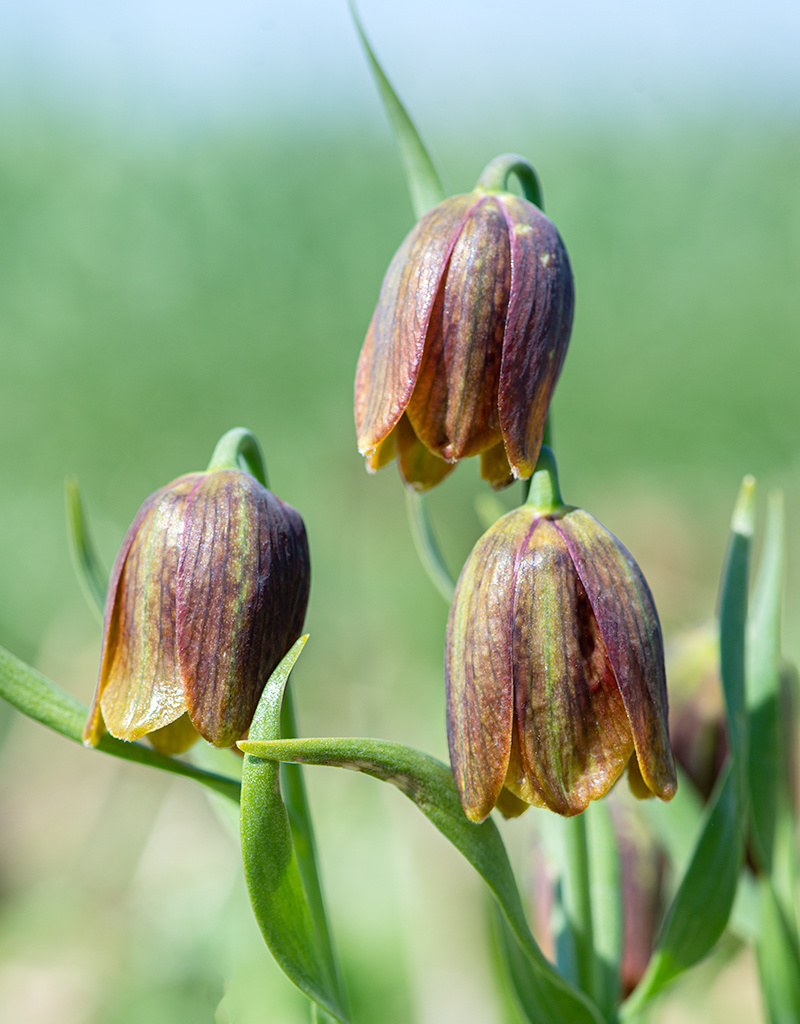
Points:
point(554, 666)
point(207, 594)
point(467, 339)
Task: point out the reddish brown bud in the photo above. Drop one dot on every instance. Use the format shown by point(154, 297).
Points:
point(207, 594)
point(554, 667)
point(466, 342)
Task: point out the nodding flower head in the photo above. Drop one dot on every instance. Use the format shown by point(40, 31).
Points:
point(554, 667)
point(207, 594)
point(467, 339)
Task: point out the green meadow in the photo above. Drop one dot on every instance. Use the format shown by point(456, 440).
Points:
point(155, 291)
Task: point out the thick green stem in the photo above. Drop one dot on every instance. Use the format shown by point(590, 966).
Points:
point(544, 494)
point(239, 449)
point(496, 174)
point(578, 902)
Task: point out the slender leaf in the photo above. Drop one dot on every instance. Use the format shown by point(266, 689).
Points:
point(272, 871)
point(702, 905)
point(424, 183)
point(429, 784)
point(294, 795)
point(91, 574)
point(778, 960)
point(768, 768)
point(732, 628)
point(39, 698)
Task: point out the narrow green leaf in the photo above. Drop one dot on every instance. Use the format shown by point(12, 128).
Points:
point(271, 868)
point(778, 960)
point(424, 183)
point(91, 574)
point(39, 698)
point(732, 627)
point(429, 784)
point(702, 905)
point(768, 768)
point(677, 824)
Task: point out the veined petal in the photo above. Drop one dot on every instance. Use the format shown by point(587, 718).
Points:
point(419, 468)
point(242, 590)
point(453, 408)
point(628, 624)
point(381, 456)
point(390, 359)
point(139, 688)
point(478, 679)
point(495, 467)
point(537, 330)
point(572, 734)
point(175, 738)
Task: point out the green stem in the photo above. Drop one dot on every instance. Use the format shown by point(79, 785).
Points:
point(578, 902)
point(544, 494)
point(496, 174)
point(296, 801)
point(239, 449)
point(427, 548)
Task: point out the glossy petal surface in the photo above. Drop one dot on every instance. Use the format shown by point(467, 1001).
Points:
point(453, 408)
point(392, 352)
point(572, 737)
point(242, 590)
point(419, 468)
point(478, 669)
point(537, 332)
point(628, 624)
point(139, 688)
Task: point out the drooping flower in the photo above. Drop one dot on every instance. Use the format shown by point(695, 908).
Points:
point(467, 339)
point(208, 592)
point(554, 665)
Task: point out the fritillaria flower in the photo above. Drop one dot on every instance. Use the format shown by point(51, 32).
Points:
point(207, 594)
point(467, 339)
point(554, 664)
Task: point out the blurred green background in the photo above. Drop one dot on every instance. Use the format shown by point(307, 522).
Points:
point(157, 288)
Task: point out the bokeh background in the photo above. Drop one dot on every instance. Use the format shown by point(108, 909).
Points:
point(198, 202)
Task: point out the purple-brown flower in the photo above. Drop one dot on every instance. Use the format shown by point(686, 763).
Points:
point(207, 594)
point(554, 667)
point(467, 339)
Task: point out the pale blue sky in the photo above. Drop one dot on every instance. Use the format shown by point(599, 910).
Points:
point(209, 59)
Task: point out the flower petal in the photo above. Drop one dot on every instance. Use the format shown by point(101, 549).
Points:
point(537, 330)
point(628, 623)
point(571, 726)
point(495, 467)
point(242, 590)
point(478, 678)
point(390, 359)
point(419, 468)
point(453, 408)
point(140, 689)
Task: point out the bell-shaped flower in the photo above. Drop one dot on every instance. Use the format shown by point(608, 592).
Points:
point(207, 594)
point(467, 339)
point(554, 664)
